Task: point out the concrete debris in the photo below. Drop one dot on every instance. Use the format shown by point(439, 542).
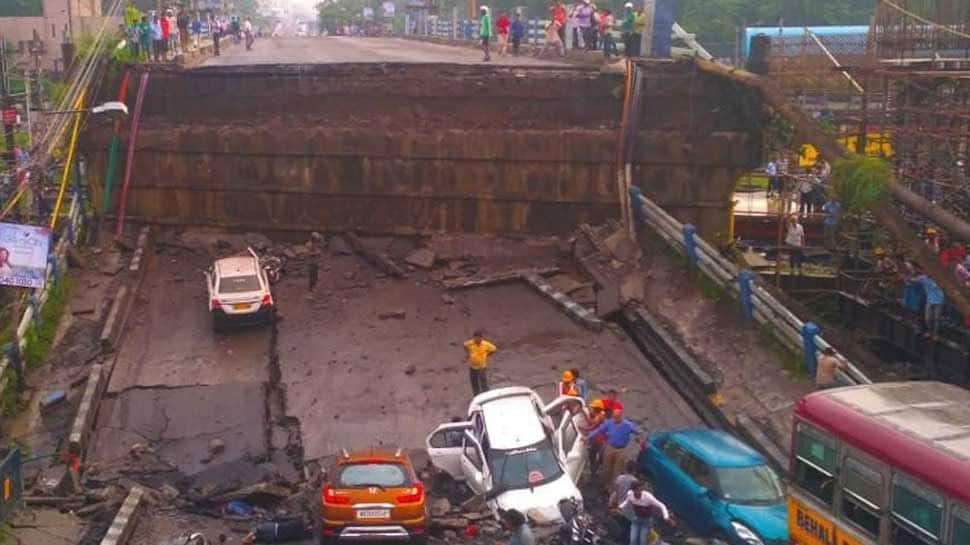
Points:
point(382, 262)
point(216, 446)
point(257, 241)
point(169, 492)
point(451, 523)
point(125, 244)
point(631, 287)
point(474, 503)
point(421, 257)
point(498, 278)
point(410, 370)
point(95, 509)
point(339, 246)
point(53, 398)
point(113, 264)
point(263, 489)
point(439, 507)
point(447, 299)
point(395, 314)
point(223, 245)
point(140, 449)
point(75, 259)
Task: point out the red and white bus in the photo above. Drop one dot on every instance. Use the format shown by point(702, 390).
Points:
point(881, 464)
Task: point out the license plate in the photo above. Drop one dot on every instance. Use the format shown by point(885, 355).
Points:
point(240, 306)
point(374, 513)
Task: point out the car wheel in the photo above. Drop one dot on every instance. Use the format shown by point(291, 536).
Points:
point(216, 324)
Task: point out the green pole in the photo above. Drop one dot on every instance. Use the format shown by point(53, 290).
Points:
point(110, 175)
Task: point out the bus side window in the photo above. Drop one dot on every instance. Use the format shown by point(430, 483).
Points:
point(815, 463)
point(917, 513)
point(862, 495)
point(960, 526)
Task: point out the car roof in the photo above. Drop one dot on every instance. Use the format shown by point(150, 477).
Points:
point(374, 455)
point(510, 418)
point(236, 266)
point(718, 448)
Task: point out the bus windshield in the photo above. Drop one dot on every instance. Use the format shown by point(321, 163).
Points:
point(753, 484)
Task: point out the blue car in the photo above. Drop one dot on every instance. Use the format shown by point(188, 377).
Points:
point(717, 485)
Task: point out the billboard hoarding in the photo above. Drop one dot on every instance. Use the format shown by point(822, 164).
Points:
point(23, 255)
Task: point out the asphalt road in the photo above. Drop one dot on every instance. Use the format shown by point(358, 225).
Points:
point(342, 49)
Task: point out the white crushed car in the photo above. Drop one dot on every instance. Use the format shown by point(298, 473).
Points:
point(515, 450)
point(238, 292)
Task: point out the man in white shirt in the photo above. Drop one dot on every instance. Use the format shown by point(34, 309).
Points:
point(795, 239)
point(645, 507)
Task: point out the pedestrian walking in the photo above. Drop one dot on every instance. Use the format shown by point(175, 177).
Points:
point(646, 509)
point(621, 487)
point(557, 14)
point(618, 432)
point(485, 32)
point(518, 528)
point(502, 26)
point(518, 32)
point(626, 27)
point(606, 24)
point(583, 14)
point(477, 351)
point(158, 37)
point(552, 39)
point(196, 31)
point(771, 170)
point(247, 29)
point(182, 22)
point(825, 370)
point(795, 239)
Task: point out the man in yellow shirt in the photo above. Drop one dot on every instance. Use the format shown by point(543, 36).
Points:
point(478, 350)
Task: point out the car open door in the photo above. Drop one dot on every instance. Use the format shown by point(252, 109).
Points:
point(474, 465)
point(572, 447)
point(210, 279)
point(445, 447)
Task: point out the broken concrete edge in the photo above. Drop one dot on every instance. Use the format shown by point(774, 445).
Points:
point(140, 248)
point(124, 522)
point(698, 387)
point(111, 332)
point(577, 312)
point(84, 420)
point(498, 278)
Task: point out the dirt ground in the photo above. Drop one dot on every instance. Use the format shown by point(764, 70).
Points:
point(365, 360)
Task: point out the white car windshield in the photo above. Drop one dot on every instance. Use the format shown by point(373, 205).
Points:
point(238, 284)
point(525, 467)
point(754, 484)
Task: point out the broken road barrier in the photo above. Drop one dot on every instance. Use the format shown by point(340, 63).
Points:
point(124, 522)
point(577, 312)
point(111, 332)
point(766, 310)
point(138, 255)
point(695, 385)
point(86, 412)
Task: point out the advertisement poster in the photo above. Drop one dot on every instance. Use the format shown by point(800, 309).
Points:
point(23, 255)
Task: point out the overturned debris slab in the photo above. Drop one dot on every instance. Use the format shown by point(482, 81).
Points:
point(381, 261)
point(499, 278)
point(577, 312)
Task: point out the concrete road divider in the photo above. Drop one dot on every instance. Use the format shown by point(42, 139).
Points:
point(124, 522)
point(84, 420)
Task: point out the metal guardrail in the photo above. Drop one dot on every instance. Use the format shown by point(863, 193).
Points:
point(756, 302)
point(56, 266)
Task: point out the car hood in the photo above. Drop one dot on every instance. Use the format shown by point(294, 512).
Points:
point(770, 522)
point(539, 504)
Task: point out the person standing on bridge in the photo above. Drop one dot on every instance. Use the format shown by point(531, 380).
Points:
point(518, 32)
point(248, 33)
point(502, 27)
point(477, 351)
point(795, 239)
point(158, 36)
point(629, 18)
point(485, 32)
point(557, 14)
point(828, 364)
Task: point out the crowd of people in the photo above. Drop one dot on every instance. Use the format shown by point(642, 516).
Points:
point(592, 29)
point(607, 433)
point(154, 36)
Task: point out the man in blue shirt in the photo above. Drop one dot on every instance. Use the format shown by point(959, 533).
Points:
point(831, 221)
point(771, 170)
point(618, 432)
point(934, 303)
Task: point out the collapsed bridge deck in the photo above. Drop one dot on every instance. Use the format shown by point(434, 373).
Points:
point(406, 148)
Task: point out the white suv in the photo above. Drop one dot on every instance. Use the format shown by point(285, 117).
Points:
point(238, 292)
point(520, 453)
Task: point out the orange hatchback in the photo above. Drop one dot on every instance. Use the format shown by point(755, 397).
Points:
point(373, 495)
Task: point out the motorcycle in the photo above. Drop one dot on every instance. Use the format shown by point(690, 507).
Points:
point(273, 266)
point(577, 526)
